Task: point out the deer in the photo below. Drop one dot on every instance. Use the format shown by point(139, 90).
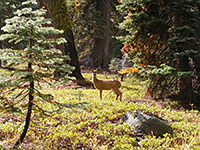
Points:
point(106, 84)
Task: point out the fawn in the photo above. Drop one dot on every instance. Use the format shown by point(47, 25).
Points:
point(106, 84)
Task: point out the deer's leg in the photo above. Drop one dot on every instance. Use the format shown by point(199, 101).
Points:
point(100, 94)
point(117, 96)
point(118, 93)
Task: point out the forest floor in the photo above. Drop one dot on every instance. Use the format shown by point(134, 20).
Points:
point(86, 122)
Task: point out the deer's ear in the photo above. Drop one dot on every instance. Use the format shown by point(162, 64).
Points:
point(98, 69)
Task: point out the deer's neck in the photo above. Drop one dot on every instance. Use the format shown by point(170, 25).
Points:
point(94, 78)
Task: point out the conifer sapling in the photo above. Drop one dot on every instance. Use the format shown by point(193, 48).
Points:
point(31, 66)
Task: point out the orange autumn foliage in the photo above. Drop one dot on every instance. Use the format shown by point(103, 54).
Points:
point(126, 48)
point(148, 47)
point(129, 70)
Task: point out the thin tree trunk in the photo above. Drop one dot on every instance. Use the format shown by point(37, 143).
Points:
point(28, 115)
point(28, 118)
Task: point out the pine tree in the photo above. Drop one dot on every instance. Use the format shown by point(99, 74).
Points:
point(29, 68)
point(163, 38)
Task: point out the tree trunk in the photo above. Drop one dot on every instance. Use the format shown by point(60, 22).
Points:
point(195, 63)
point(57, 10)
point(0, 60)
point(101, 51)
point(28, 115)
point(186, 92)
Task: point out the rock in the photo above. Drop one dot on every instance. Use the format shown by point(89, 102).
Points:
point(115, 64)
point(126, 63)
point(146, 124)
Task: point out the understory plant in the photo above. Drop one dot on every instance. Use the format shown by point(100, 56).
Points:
point(31, 66)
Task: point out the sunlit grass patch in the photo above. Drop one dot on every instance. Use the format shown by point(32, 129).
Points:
point(88, 122)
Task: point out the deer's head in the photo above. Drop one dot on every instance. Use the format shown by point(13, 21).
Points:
point(94, 72)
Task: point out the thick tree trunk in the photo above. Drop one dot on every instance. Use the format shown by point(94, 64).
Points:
point(196, 81)
point(57, 10)
point(101, 51)
point(186, 92)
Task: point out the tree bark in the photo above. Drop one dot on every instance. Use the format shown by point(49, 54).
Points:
point(28, 115)
point(195, 63)
point(101, 51)
point(57, 10)
point(186, 93)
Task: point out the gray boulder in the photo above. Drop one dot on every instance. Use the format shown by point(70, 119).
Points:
point(146, 124)
point(115, 64)
point(126, 63)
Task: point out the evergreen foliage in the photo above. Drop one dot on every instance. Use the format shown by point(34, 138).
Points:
point(30, 68)
point(7, 7)
point(29, 26)
point(164, 40)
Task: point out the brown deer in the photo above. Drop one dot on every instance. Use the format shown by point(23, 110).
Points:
point(106, 84)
